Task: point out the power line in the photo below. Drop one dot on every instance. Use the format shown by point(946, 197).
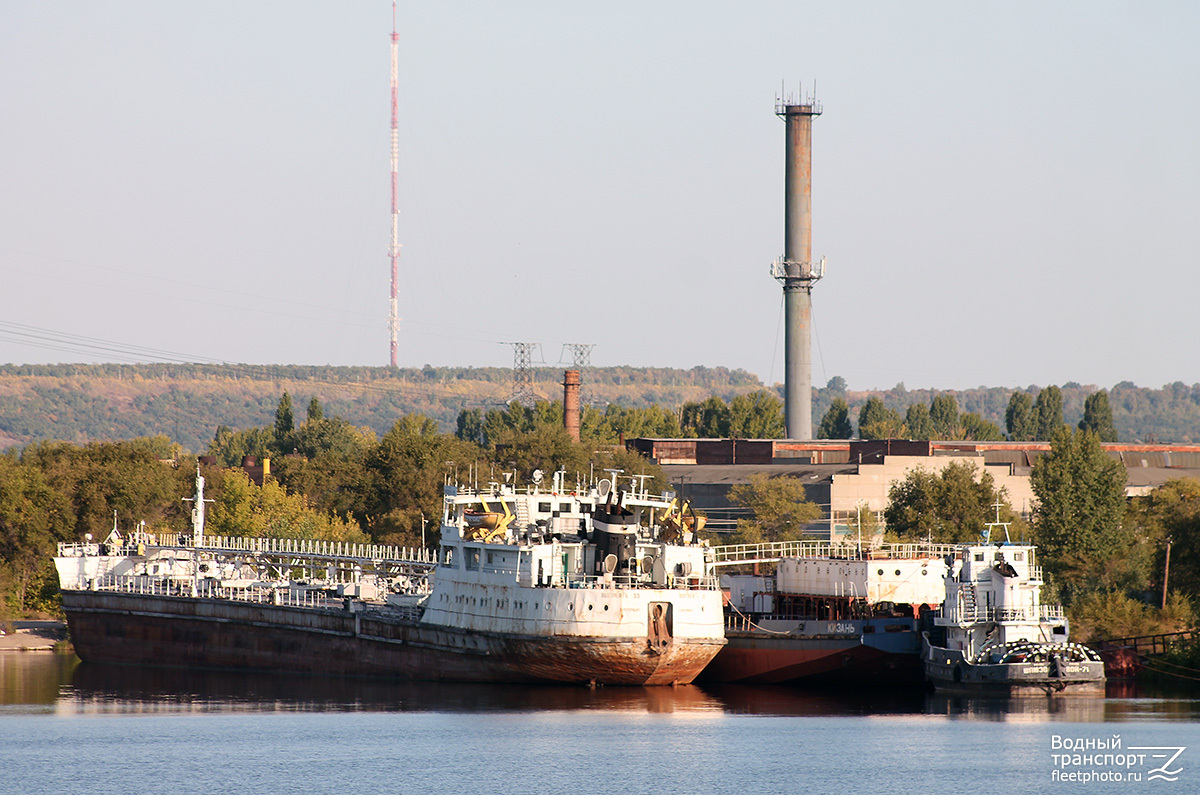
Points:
point(61, 340)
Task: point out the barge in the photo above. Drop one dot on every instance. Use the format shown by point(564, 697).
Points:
point(836, 613)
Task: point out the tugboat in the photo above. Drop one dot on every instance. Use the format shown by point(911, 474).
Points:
point(993, 636)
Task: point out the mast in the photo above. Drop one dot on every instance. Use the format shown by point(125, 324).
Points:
point(394, 248)
point(198, 509)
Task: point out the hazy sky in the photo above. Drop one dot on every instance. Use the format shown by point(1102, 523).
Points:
point(1007, 193)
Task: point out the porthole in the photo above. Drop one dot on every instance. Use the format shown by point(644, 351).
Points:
point(881, 572)
point(591, 607)
point(897, 572)
point(606, 607)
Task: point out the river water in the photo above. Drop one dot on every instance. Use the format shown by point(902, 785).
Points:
point(67, 727)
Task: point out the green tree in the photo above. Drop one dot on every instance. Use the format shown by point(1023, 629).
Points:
point(333, 483)
point(242, 508)
point(546, 447)
point(1171, 511)
point(1112, 614)
point(513, 417)
point(1080, 499)
point(877, 421)
point(100, 478)
point(33, 519)
point(403, 478)
point(836, 422)
point(334, 436)
point(316, 412)
point(779, 509)
point(943, 413)
point(229, 447)
point(1048, 412)
point(1019, 417)
point(1098, 417)
point(918, 422)
point(619, 422)
point(758, 415)
point(470, 426)
point(978, 429)
point(954, 505)
point(284, 424)
point(707, 420)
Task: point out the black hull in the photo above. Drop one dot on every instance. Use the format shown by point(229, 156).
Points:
point(949, 672)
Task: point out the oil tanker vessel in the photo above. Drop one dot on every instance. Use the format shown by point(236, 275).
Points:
point(600, 584)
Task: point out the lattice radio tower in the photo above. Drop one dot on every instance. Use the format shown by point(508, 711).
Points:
point(394, 248)
point(581, 354)
point(523, 373)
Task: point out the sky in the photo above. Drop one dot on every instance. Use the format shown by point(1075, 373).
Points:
point(1007, 193)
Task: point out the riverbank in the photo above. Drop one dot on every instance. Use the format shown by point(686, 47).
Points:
point(33, 636)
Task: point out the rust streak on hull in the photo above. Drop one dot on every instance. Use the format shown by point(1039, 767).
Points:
point(176, 631)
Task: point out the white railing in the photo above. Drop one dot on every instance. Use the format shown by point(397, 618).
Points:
point(160, 586)
point(968, 615)
point(732, 554)
point(300, 547)
point(691, 582)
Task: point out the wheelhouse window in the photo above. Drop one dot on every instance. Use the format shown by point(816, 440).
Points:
point(471, 556)
point(448, 560)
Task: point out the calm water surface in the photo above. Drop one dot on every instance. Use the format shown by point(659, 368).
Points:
point(72, 728)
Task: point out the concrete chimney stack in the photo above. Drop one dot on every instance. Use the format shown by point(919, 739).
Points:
point(796, 271)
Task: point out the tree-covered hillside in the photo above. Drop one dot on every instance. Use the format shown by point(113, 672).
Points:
point(83, 403)
point(1140, 414)
point(188, 403)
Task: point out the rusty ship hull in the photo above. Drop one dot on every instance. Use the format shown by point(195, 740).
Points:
point(876, 651)
point(114, 627)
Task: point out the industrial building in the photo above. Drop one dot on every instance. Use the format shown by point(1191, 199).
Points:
point(845, 477)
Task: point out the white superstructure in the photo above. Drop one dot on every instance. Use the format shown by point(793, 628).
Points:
point(585, 562)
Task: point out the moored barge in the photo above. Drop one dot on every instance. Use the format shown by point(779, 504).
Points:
point(835, 613)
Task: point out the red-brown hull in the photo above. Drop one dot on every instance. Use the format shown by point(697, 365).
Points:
point(159, 630)
point(773, 660)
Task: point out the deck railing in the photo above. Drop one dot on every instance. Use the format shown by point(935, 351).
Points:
point(733, 554)
point(300, 547)
point(967, 615)
point(162, 586)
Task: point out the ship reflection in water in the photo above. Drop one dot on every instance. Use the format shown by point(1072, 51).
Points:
point(58, 684)
point(113, 688)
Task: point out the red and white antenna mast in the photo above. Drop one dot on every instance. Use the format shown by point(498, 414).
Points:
point(394, 248)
